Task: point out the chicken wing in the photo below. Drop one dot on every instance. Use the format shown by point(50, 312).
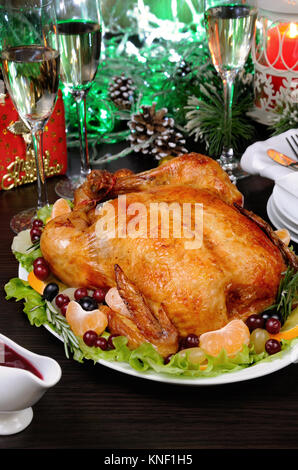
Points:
point(194, 170)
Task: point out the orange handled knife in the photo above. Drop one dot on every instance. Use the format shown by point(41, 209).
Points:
point(282, 159)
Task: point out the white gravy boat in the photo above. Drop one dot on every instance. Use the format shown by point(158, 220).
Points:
point(21, 389)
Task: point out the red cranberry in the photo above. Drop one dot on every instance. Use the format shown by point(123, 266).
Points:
point(89, 338)
point(101, 343)
point(35, 238)
point(41, 271)
point(110, 341)
point(39, 262)
point(37, 223)
point(100, 294)
point(63, 309)
point(61, 300)
point(80, 293)
point(35, 232)
point(254, 321)
point(272, 346)
point(191, 341)
point(273, 326)
point(168, 358)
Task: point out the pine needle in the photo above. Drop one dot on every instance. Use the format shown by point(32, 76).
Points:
point(62, 328)
point(287, 295)
point(205, 118)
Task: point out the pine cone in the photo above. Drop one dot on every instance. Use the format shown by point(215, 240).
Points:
point(170, 143)
point(121, 91)
point(155, 131)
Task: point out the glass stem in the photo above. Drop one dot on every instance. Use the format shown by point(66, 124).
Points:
point(37, 137)
point(228, 83)
point(80, 99)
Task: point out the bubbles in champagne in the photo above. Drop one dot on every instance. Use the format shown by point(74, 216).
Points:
point(79, 44)
point(31, 74)
point(230, 32)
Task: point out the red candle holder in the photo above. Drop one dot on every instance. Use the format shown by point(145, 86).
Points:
point(275, 54)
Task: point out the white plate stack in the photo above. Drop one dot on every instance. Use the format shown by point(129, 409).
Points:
point(282, 207)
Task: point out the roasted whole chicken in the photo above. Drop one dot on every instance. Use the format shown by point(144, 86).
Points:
point(166, 289)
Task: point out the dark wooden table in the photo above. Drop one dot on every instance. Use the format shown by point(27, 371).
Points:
point(96, 407)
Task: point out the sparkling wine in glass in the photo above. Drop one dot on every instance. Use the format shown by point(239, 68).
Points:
point(30, 67)
point(230, 31)
point(79, 28)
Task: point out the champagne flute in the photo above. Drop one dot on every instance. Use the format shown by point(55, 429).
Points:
point(230, 31)
point(79, 28)
point(30, 67)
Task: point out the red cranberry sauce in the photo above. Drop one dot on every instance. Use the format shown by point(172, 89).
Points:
point(13, 359)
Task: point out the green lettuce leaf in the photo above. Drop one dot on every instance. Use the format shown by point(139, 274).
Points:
point(26, 259)
point(34, 305)
point(145, 358)
point(45, 212)
point(121, 353)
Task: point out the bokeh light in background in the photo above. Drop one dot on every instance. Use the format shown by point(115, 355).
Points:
point(146, 40)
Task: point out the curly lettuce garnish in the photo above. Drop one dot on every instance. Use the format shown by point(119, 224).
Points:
point(143, 359)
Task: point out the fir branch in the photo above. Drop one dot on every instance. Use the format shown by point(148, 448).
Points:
point(287, 295)
point(205, 120)
point(205, 113)
point(286, 118)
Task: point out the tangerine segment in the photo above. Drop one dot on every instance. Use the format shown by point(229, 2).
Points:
point(60, 207)
point(288, 334)
point(39, 285)
point(231, 337)
point(81, 321)
point(283, 235)
point(115, 302)
point(36, 283)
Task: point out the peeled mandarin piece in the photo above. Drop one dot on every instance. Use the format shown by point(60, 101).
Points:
point(283, 235)
point(60, 207)
point(81, 321)
point(231, 337)
point(289, 334)
point(290, 327)
point(36, 283)
point(115, 302)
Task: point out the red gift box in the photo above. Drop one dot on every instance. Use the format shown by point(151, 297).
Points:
point(17, 162)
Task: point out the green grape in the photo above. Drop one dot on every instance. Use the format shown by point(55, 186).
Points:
point(258, 338)
point(195, 355)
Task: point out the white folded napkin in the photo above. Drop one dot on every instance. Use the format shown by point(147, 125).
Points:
point(285, 194)
point(256, 161)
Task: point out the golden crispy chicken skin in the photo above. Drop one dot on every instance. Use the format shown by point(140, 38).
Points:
point(234, 273)
point(194, 170)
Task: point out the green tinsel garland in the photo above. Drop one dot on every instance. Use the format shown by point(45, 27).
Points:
point(177, 76)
